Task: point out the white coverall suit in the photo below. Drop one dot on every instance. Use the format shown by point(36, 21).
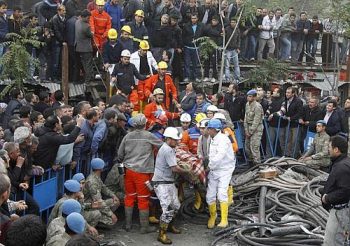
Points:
point(222, 162)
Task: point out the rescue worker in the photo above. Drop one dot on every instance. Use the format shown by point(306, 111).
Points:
point(253, 127)
point(318, 154)
point(156, 109)
point(221, 166)
point(111, 49)
point(94, 192)
point(211, 110)
point(136, 152)
point(125, 39)
point(185, 121)
point(164, 185)
point(336, 194)
point(100, 23)
point(138, 28)
point(231, 135)
point(146, 65)
point(123, 77)
point(164, 82)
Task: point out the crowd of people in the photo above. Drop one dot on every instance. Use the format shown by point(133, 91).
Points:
point(149, 139)
point(169, 31)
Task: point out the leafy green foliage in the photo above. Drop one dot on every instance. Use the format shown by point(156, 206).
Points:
point(268, 71)
point(206, 46)
point(15, 63)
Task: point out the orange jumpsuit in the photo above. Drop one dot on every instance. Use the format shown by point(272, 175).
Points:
point(100, 23)
point(151, 108)
point(170, 88)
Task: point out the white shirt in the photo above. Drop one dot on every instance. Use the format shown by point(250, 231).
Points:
point(267, 27)
point(327, 116)
point(221, 155)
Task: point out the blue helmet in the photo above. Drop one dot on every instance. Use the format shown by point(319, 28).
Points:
point(215, 123)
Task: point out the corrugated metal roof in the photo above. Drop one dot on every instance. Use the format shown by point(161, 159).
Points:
point(74, 89)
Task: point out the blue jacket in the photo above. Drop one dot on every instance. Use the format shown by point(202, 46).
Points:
point(82, 150)
point(111, 54)
point(116, 13)
point(99, 134)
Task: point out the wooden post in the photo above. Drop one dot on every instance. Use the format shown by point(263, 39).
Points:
point(348, 69)
point(65, 73)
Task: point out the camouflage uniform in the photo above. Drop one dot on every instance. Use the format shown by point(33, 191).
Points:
point(319, 151)
point(57, 209)
point(253, 125)
point(56, 227)
point(58, 240)
point(115, 182)
point(93, 191)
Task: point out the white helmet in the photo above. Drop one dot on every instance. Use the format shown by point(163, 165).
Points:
point(203, 123)
point(185, 117)
point(212, 108)
point(172, 132)
point(219, 116)
point(125, 53)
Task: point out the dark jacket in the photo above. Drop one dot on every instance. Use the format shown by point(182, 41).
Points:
point(188, 102)
point(15, 26)
point(49, 142)
point(125, 77)
point(301, 25)
point(138, 32)
point(111, 54)
point(334, 123)
point(275, 106)
point(294, 111)
point(12, 108)
point(188, 35)
point(4, 28)
point(70, 27)
point(176, 37)
point(337, 186)
point(312, 116)
point(187, 11)
point(214, 32)
point(16, 175)
point(59, 29)
point(235, 42)
point(40, 107)
point(161, 37)
point(72, 6)
point(345, 121)
point(235, 106)
point(83, 36)
point(49, 8)
point(201, 12)
point(313, 27)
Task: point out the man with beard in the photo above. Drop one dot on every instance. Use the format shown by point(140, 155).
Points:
point(156, 108)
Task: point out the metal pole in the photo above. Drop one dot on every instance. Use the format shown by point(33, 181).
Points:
point(65, 72)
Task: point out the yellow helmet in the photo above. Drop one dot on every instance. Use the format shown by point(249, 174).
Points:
point(162, 65)
point(158, 91)
point(200, 117)
point(112, 34)
point(126, 28)
point(100, 2)
point(140, 12)
point(144, 45)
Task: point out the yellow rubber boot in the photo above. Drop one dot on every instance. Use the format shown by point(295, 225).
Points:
point(230, 195)
point(197, 201)
point(212, 218)
point(224, 215)
point(162, 237)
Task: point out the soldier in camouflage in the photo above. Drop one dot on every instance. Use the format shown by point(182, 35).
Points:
point(94, 190)
point(318, 154)
point(253, 127)
point(115, 182)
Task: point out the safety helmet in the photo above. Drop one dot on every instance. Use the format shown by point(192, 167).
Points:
point(172, 132)
point(162, 65)
point(100, 2)
point(200, 117)
point(158, 91)
point(203, 123)
point(212, 108)
point(140, 12)
point(112, 34)
point(125, 53)
point(215, 123)
point(185, 117)
point(126, 28)
point(144, 45)
point(219, 116)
